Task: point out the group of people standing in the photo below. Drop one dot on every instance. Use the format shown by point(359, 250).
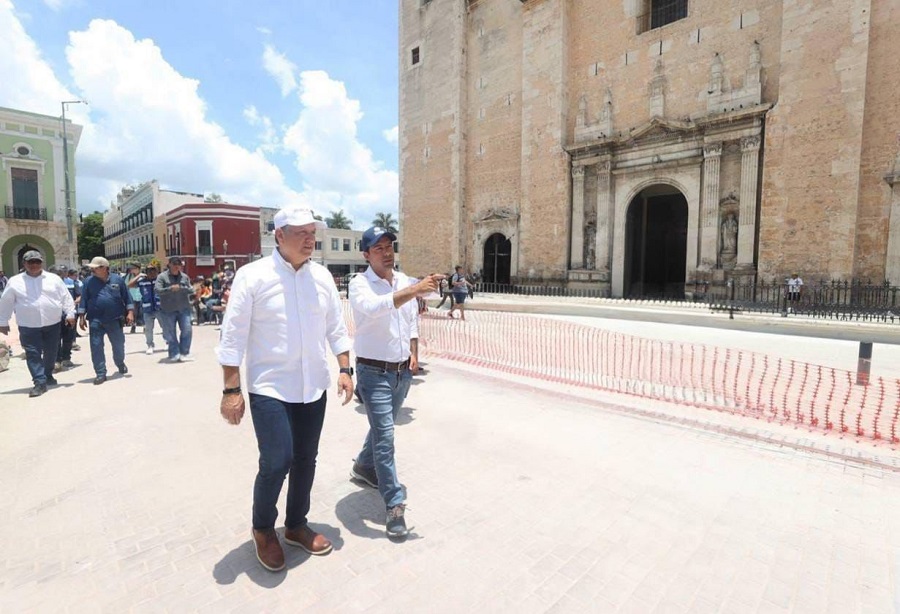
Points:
point(457, 288)
point(283, 321)
point(47, 307)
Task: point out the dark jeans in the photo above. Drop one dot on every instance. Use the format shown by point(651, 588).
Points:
point(288, 438)
point(169, 320)
point(138, 314)
point(113, 330)
point(66, 340)
point(41, 346)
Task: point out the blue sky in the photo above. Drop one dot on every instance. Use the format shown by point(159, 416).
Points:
point(266, 102)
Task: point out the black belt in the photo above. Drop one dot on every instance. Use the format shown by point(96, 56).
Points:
point(383, 365)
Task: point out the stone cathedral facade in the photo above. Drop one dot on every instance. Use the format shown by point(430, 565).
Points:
point(639, 146)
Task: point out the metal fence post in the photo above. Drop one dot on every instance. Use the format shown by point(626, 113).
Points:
point(864, 365)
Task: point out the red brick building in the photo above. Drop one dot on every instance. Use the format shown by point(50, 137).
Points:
point(208, 236)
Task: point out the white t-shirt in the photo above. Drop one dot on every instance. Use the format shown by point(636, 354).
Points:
point(794, 285)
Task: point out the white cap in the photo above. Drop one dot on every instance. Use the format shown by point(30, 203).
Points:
point(297, 215)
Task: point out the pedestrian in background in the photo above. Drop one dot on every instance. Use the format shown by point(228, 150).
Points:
point(131, 277)
point(66, 330)
point(146, 284)
point(3, 281)
point(106, 305)
point(386, 347)
point(38, 299)
point(292, 307)
point(459, 286)
point(175, 291)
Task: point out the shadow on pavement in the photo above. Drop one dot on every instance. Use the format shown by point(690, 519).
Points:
point(404, 417)
point(242, 560)
point(358, 507)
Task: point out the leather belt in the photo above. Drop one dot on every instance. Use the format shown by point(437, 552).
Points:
point(384, 365)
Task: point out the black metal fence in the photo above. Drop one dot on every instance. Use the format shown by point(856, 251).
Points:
point(855, 300)
point(534, 290)
point(837, 300)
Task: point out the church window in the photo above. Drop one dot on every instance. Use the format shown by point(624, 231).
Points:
point(25, 189)
point(415, 56)
point(659, 13)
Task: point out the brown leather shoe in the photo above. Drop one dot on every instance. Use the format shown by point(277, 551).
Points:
point(268, 549)
point(309, 540)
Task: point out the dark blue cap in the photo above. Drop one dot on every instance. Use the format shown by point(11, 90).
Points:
point(372, 235)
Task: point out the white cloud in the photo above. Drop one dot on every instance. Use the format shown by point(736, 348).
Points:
point(392, 135)
point(28, 82)
point(263, 30)
point(268, 138)
point(145, 120)
point(338, 170)
point(135, 129)
point(56, 5)
point(281, 69)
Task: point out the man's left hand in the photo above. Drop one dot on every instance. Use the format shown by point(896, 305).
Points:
point(129, 319)
point(70, 322)
point(414, 365)
point(345, 385)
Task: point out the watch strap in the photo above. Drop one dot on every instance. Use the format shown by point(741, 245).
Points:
point(347, 370)
point(235, 390)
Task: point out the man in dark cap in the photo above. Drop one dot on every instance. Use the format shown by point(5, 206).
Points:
point(38, 299)
point(174, 289)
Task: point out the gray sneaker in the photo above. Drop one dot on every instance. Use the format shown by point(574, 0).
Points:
point(396, 524)
point(365, 475)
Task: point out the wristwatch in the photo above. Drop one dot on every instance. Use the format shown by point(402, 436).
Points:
point(235, 390)
point(347, 370)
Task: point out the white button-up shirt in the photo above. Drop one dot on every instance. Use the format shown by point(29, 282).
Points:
point(280, 320)
point(383, 332)
point(37, 301)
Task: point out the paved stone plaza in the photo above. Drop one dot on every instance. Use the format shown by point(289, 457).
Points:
point(136, 495)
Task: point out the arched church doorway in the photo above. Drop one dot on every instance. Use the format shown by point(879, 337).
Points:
point(497, 259)
point(656, 243)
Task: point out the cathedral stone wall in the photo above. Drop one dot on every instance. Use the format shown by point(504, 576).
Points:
point(542, 120)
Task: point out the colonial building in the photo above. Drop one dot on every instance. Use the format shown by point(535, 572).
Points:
point(32, 189)
point(130, 231)
point(641, 145)
point(209, 236)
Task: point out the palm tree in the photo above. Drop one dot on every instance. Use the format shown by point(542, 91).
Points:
point(337, 219)
point(386, 221)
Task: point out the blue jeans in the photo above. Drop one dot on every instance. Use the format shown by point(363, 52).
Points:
point(113, 330)
point(41, 346)
point(150, 318)
point(287, 435)
point(383, 393)
point(169, 320)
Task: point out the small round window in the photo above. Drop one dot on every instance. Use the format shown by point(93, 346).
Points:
point(22, 150)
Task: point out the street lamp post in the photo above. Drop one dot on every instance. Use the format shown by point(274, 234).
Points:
point(69, 230)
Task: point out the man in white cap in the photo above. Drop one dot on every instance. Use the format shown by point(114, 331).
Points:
point(284, 316)
point(38, 299)
point(106, 304)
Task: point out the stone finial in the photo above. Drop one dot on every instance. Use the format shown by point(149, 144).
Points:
point(716, 76)
point(581, 120)
point(754, 72)
point(604, 120)
point(658, 91)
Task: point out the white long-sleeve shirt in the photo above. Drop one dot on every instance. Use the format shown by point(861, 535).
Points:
point(37, 301)
point(280, 320)
point(383, 332)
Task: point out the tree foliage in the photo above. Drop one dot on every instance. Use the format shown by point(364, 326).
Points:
point(386, 221)
point(337, 219)
point(90, 236)
point(212, 197)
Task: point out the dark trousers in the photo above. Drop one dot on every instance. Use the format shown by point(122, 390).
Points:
point(288, 438)
point(66, 341)
point(41, 346)
point(113, 330)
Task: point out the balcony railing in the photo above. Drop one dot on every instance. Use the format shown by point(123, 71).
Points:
point(25, 213)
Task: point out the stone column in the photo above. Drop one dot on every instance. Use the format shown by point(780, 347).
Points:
point(605, 215)
point(749, 182)
point(709, 218)
point(577, 261)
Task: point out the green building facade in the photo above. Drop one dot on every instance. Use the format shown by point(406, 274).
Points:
point(32, 189)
